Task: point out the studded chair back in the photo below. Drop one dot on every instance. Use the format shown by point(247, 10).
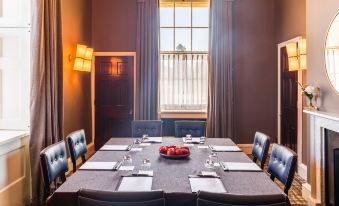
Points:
point(260, 148)
point(107, 198)
point(227, 199)
point(77, 147)
point(282, 165)
point(53, 161)
point(152, 128)
point(194, 128)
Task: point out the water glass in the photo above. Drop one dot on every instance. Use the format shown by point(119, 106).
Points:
point(188, 137)
point(214, 157)
point(145, 137)
point(202, 140)
point(146, 165)
point(209, 164)
point(127, 160)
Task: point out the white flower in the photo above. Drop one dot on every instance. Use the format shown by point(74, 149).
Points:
point(309, 89)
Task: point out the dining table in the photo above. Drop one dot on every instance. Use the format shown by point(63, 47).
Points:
point(169, 175)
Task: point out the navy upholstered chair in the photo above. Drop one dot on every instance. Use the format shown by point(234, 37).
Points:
point(260, 148)
point(194, 128)
point(282, 165)
point(54, 165)
point(152, 128)
point(107, 198)
point(227, 199)
point(77, 147)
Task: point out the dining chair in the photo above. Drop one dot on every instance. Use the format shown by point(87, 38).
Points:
point(152, 128)
point(77, 147)
point(260, 148)
point(54, 165)
point(87, 197)
point(194, 128)
point(282, 165)
point(228, 199)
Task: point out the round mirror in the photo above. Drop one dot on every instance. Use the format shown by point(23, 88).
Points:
point(332, 53)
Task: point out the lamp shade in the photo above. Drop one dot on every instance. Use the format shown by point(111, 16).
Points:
point(78, 64)
point(302, 46)
point(89, 54)
point(81, 51)
point(303, 62)
point(293, 64)
point(86, 67)
point(292, 49)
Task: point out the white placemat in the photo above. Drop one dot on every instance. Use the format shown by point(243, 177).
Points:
point(240, 166)
point(138, 183)
point(154, 140)
point(98, 166)
point(207, 184)
point(225, 148)
point(114, 148)
point(193, 140)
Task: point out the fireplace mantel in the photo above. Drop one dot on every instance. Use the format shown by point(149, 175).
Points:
point(318, 122)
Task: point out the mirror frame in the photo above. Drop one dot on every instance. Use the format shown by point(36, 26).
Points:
point(325, 48)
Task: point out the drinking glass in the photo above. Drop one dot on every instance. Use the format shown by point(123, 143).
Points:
point(144, 137)
point(188, 137)
point(209, 164)
point(214, 157)
point(202, 140)
point(146, 165)
point(127, 160)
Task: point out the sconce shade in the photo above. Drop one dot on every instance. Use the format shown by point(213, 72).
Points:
point(303, 62)
point(89, 54)
point(302, 46)
point(87, 65)
point(293, 64)
point(81, 51)
point(78, 64)
point(292, 49)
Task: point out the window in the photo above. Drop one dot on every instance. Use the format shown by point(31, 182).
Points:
point(14, 64)
point(184, 30)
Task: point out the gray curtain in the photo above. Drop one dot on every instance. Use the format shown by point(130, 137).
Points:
point(46, 86)
point(220, 121)
point(147, 60)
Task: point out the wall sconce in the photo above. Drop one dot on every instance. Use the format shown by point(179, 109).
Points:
point(296, 53)
point(83, 58)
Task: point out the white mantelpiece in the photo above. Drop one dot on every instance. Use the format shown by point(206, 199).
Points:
point(318, 122)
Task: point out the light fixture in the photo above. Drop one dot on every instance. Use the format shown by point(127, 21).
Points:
point(83, 58)
point(296, 53)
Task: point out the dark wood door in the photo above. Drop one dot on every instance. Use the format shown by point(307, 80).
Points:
point(289, 108)
point(114, 98)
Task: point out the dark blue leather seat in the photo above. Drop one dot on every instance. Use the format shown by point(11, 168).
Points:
point(77, 147)
point(107, 198)
point(282, 165)
point(227, 199)
point(260, 148)
point(152, 128)
point(194, 128)
point(53, 161)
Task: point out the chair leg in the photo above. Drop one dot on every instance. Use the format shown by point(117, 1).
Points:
point(272, 177)
point(83, 158)
point(47, 191)
point(63, 178)
point(74, 166)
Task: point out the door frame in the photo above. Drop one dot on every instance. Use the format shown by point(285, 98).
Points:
point(302, 168)
point(97, 54)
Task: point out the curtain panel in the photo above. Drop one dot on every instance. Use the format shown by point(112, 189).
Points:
point(220, 121)
point(46, 99)
point(147, 60)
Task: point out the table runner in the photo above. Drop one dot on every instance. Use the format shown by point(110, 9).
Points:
point(169, 175)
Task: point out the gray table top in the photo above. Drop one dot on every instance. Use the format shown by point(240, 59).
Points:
point(171, 175)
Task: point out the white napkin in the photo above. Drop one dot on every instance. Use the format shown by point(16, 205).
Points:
point(240, 166)
point(98, 166)
point(114, 148)
point(225, 148)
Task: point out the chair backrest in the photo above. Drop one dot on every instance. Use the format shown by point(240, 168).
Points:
point(260, 148)
point(88, 197)
point(152, 128)
point(194, 128)
point(77, 146)
point(227, 199)
point(282, 165)
point(53, 160)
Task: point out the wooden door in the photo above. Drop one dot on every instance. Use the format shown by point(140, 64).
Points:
point(114, 99)
point(289, 108)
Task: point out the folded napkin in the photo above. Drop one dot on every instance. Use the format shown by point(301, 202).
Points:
point(98, 166)
point(114, 148)
point(154, 140)
point(225, 148)
point(240, 166)
point(195, 140)
point(136, 183)
point(209, 184)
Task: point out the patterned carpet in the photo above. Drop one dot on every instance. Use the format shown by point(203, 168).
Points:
point(294, 194)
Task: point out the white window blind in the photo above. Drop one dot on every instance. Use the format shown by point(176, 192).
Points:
point(14, 64)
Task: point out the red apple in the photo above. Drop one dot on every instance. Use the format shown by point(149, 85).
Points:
point(178, 151)
point(185, 151)
point(163, 149)
point(171, 151)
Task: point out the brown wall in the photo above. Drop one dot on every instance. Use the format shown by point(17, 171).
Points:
point(319, 16)
point(76, 17)
point(255, 69)
point(114, 25)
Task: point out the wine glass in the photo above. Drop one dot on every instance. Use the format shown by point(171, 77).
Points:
point(127, 160)
point(202, 140)
point(214, 158)
point(144, 137)
point(146, 165)
point(188, 137)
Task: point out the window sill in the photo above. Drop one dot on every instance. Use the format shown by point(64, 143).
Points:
point(183, 115)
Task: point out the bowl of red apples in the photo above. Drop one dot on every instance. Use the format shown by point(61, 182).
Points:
point(174, 152)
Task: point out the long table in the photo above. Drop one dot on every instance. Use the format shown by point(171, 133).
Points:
point(171, 176)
